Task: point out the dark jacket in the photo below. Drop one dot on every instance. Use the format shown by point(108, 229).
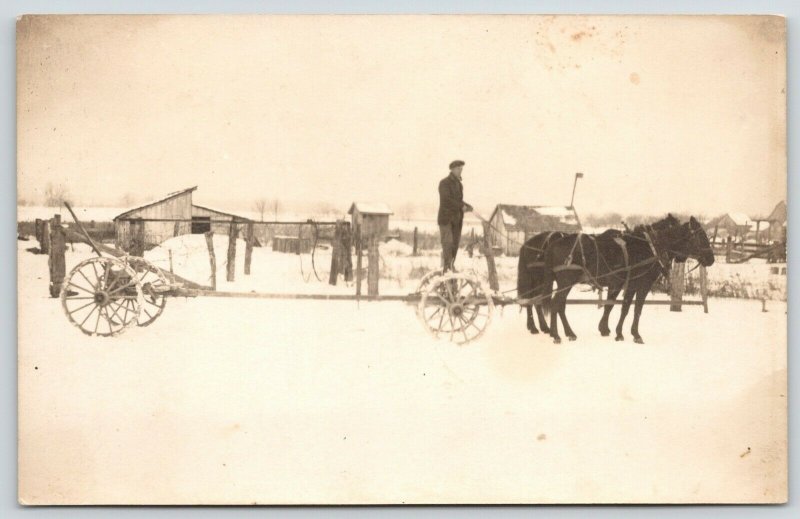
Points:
point(451, 201)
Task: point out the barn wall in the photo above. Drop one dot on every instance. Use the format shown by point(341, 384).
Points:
point(157, 232)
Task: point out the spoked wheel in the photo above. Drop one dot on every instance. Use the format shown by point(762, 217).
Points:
point(153, 283)
point(457, 306)
point(426, 280)
point(102, 296)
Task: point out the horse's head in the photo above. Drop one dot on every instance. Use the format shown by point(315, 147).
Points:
point(699, 246)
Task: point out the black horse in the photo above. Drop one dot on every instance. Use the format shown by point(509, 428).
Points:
point(535, 285)
point(631, 260)
point(531, 283)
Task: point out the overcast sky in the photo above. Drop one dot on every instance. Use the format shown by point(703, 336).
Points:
point(661, 114)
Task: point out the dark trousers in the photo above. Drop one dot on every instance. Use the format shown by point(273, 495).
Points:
point(451, 235)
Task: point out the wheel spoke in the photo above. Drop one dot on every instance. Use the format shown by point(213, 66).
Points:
point(82, 307)
point(97, 323)
point(87, 279)
point(439, 328)
point(438, 309)
point(132, 283)
point(463, 329)
point(87, 316)
point(73, 285)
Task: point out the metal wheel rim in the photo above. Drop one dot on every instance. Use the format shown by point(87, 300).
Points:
point(435, 309)
point(88, 296)
point(149, 276)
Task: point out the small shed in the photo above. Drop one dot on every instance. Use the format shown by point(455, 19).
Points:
point(512, 225)
point(371, 217)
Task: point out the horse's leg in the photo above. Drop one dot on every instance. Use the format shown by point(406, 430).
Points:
point(542, 319)
point(641, 294)
point(623, 312)
point(531, 322)
point(544, 288)
point(565, 284)
point(554, 308)
point(613, 292)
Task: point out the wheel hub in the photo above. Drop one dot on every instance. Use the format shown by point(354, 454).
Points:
point(101, 298)
point(456, 310)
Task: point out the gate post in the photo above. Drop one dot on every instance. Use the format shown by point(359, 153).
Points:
point(676, 286)
point(231, 265)
point(56, 260)
point(335, 253)
point(489, 253)
point(248, 252)
point(212, 258)
point(704, 288)
point(373, 272)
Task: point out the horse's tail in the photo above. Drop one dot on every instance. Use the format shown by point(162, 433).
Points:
point(525, 273)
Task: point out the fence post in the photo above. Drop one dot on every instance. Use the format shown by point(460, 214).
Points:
point(212, 258)
point(704, 288)
point(346, 263)
point(44, 247)
point(248, 251)
point(170, 261)
point(489, 253)
point(373, 274)
point(676, 286)
point(728, 248)
point(335, 254)
point(56, 261)
point(415, 251)
point(359, 245)
point(231, 265)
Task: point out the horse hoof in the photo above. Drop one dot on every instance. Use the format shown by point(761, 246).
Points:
point(605, 334)
point(556, 340)
point(619, 338)
point(533, 331)
point(638, 340)
point(572, 337)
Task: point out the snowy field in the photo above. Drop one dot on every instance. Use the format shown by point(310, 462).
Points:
point(306, 401)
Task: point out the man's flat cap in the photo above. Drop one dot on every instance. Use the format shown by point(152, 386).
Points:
point(456, 163)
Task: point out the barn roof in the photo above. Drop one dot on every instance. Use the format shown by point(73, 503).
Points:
point(740, 219)
point(533, 217)
point(370, 208)
point(223, 213)
point(159, 201)
point(779, 213)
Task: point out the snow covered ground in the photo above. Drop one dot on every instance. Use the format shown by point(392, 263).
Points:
point(304, 401)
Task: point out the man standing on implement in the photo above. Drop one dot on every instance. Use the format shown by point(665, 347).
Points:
point(451, 213)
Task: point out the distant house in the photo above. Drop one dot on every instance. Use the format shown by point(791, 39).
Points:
point(175, 214)
point(511, 225)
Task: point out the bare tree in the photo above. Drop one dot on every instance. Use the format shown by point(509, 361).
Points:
point(260, 206)
point(56, 194)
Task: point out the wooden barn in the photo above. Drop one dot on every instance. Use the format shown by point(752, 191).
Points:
point(511, 225)
point(373, 217)
point(146, 226)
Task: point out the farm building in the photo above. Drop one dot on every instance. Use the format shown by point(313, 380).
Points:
point(173, 215)
point(735, 225)
point(777, 223)
point(372, 217)
point(511, 225)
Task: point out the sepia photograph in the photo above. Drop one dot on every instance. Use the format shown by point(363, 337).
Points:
point(401, 259)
